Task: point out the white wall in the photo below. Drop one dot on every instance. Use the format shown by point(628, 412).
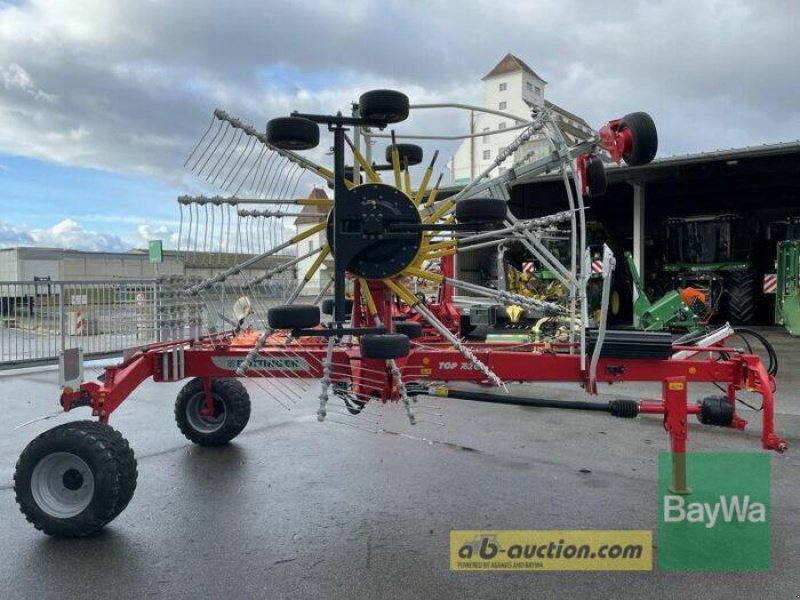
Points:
point(465, 166)
point(303, 247)
point(8, 265)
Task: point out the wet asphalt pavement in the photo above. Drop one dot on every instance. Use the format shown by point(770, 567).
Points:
point(298, 509)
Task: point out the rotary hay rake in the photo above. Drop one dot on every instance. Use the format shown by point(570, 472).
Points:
point(383, 344)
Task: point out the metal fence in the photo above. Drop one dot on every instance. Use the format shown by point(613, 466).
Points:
point(38, 320)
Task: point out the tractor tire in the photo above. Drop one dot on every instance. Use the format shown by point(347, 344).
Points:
point(74, 479)
point(293, 316)
point(388, 106)
point(481, 210)
point(596, 180)
point(408, 152)
point(385, 346)
point(327, 305)
point(741, 291)
point(410, 329)
point(645, 138)
point(231, 411)
point(292, 133)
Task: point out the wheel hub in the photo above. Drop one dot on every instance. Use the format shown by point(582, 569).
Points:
point(62, 485)
point(381, 248)
point(197, 417)
point(73, 479)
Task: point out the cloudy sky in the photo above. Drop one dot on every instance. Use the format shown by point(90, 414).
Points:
point(102, 100)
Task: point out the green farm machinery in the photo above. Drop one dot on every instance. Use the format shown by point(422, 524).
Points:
point(713, 254)
point(673, 310)
point(787, 293)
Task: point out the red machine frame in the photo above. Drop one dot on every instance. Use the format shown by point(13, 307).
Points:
point(436, 361)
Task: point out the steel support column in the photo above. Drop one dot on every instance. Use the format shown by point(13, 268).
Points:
point(638, 235)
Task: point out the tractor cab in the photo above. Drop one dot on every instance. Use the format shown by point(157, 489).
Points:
point(710, 242)
point(715, 255)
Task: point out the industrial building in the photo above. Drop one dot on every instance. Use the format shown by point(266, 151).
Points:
point(59, 264)
point(511, 89)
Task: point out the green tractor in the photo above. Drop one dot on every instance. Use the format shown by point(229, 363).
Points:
point(713, 254)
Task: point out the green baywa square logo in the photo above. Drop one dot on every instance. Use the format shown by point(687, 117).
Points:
point(723, 524)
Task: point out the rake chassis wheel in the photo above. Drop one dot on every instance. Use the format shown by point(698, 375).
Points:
point(74, 479)
point(227, 418)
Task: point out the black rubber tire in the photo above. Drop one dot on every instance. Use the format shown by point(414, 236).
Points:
point(384, 346)
point(230, 398)
point(326, 306)
point(410, 329)
point(645, 138)
point(292, 133)
point(293, 316)
point(410, 152)
point(481, 210)
point(388, 106)
point(111, 461)
point(740, 287)
point(596, 181)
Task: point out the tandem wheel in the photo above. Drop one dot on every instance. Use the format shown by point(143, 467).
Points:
point(74, 479)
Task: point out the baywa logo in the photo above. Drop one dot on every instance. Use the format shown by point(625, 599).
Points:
point(723, 523)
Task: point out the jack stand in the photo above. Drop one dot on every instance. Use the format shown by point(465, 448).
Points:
point(676, 424)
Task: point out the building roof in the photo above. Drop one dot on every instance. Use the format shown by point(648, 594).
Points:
point(49, 253)
point(622, 171)
point(313, 214)
point(510, 64)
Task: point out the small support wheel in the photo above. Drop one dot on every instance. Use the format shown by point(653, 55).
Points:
point(74, 479)
point(293, 316)
point(385, 346)
point(408, 152)
point(292, 133)
point(596, 181)
point(644, 138)
point(388, 106)
point(481, 210)
point(410, 329)
point(327, 305)
point(231, 411)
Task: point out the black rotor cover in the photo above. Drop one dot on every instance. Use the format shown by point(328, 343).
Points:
point(372, 209)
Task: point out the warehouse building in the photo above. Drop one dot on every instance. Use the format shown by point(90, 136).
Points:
point(756, 186)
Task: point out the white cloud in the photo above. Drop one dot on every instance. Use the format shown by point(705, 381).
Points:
point(70, 234)
point(15, 78)
point(129, 86)
point(168, 235)
point(12, 235)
